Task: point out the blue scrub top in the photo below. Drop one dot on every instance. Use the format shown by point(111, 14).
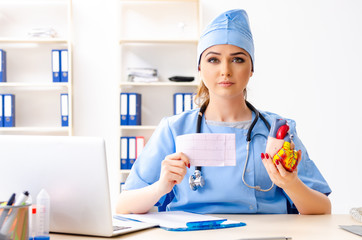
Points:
point(224, 191)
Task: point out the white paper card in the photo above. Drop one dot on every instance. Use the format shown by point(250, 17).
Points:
point(208, 149)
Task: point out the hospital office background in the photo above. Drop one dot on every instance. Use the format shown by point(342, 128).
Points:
point(308, 67)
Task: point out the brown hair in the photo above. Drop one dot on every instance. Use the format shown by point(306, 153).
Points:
point(202, 95)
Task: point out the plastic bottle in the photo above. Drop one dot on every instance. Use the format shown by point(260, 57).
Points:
point(42, 216)
point(32, 218)
point(32, 222)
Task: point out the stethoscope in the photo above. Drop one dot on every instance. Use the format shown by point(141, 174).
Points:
point(196, 180)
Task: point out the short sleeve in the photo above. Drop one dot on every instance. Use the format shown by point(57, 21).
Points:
point(146, 169)
point(308, 172)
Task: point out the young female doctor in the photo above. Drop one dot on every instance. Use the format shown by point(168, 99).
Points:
point(160, 176)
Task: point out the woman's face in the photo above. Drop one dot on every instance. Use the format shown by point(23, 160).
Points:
point(225, 70)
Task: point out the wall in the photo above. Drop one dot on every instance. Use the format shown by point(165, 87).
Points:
point(307, 67)
point(96, 76)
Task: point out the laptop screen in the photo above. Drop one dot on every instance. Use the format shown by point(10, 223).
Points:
point(73, 170)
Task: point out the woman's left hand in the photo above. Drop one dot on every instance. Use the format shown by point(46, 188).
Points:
point(277, 173)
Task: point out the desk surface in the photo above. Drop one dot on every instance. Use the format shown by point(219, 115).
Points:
point(296, 226)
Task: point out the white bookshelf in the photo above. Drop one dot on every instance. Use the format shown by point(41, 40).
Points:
point(55, 130)
point(166, 42)
point(157, 41)
point(29, 72)
point(33, 41)
point(37, 85)
point(160, 84)
point(142, 127)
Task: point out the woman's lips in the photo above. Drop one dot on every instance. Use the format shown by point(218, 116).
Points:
point(225, 84)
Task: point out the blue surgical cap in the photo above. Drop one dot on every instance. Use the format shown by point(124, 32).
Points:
point(231, 27)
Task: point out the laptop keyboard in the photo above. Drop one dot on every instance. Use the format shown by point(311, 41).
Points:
point(118, 228)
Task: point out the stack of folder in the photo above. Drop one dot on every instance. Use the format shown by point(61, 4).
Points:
point(131, 148)
point(130, 109)
point(60, 65)
point(142, 75)
point(7, 111)
point(2, 65)
point(46, 32)
point(183, 102)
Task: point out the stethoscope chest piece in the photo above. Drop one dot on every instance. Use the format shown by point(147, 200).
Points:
point(196, 180)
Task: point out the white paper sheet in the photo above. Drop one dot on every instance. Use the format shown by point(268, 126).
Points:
point(171, 219)
point(208, 149)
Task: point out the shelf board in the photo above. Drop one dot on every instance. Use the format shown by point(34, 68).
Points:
point(34, 2)
point(156, 41)
point(157, 84)
point(33, 40)
point(150, 1)
point(138, 127)
point(35, 85)
point(35, 129)
point(125, 171)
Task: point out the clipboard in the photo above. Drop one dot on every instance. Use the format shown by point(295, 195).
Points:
point(182, 221)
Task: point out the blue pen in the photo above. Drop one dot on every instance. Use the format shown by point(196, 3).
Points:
point(6, 211)
point(20, 201)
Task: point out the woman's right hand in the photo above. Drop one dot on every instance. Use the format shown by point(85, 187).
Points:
point(173, 171)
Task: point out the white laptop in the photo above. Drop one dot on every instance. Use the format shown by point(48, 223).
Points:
point(73, 170)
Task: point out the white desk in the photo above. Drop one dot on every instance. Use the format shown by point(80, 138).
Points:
point(299, 227)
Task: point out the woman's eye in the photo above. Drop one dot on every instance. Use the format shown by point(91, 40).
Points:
point(238, 60)
point(212, 60)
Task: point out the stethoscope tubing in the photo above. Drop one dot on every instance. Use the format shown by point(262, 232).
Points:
point(248, 139)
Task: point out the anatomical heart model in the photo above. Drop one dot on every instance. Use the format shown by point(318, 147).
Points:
point(280, 145)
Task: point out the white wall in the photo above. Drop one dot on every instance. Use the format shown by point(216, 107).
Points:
point(308, 67)
point(96, 76)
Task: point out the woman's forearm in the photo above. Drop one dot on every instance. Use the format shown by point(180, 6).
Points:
point(307, 200)
point(173, 171)
point(138, 200)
